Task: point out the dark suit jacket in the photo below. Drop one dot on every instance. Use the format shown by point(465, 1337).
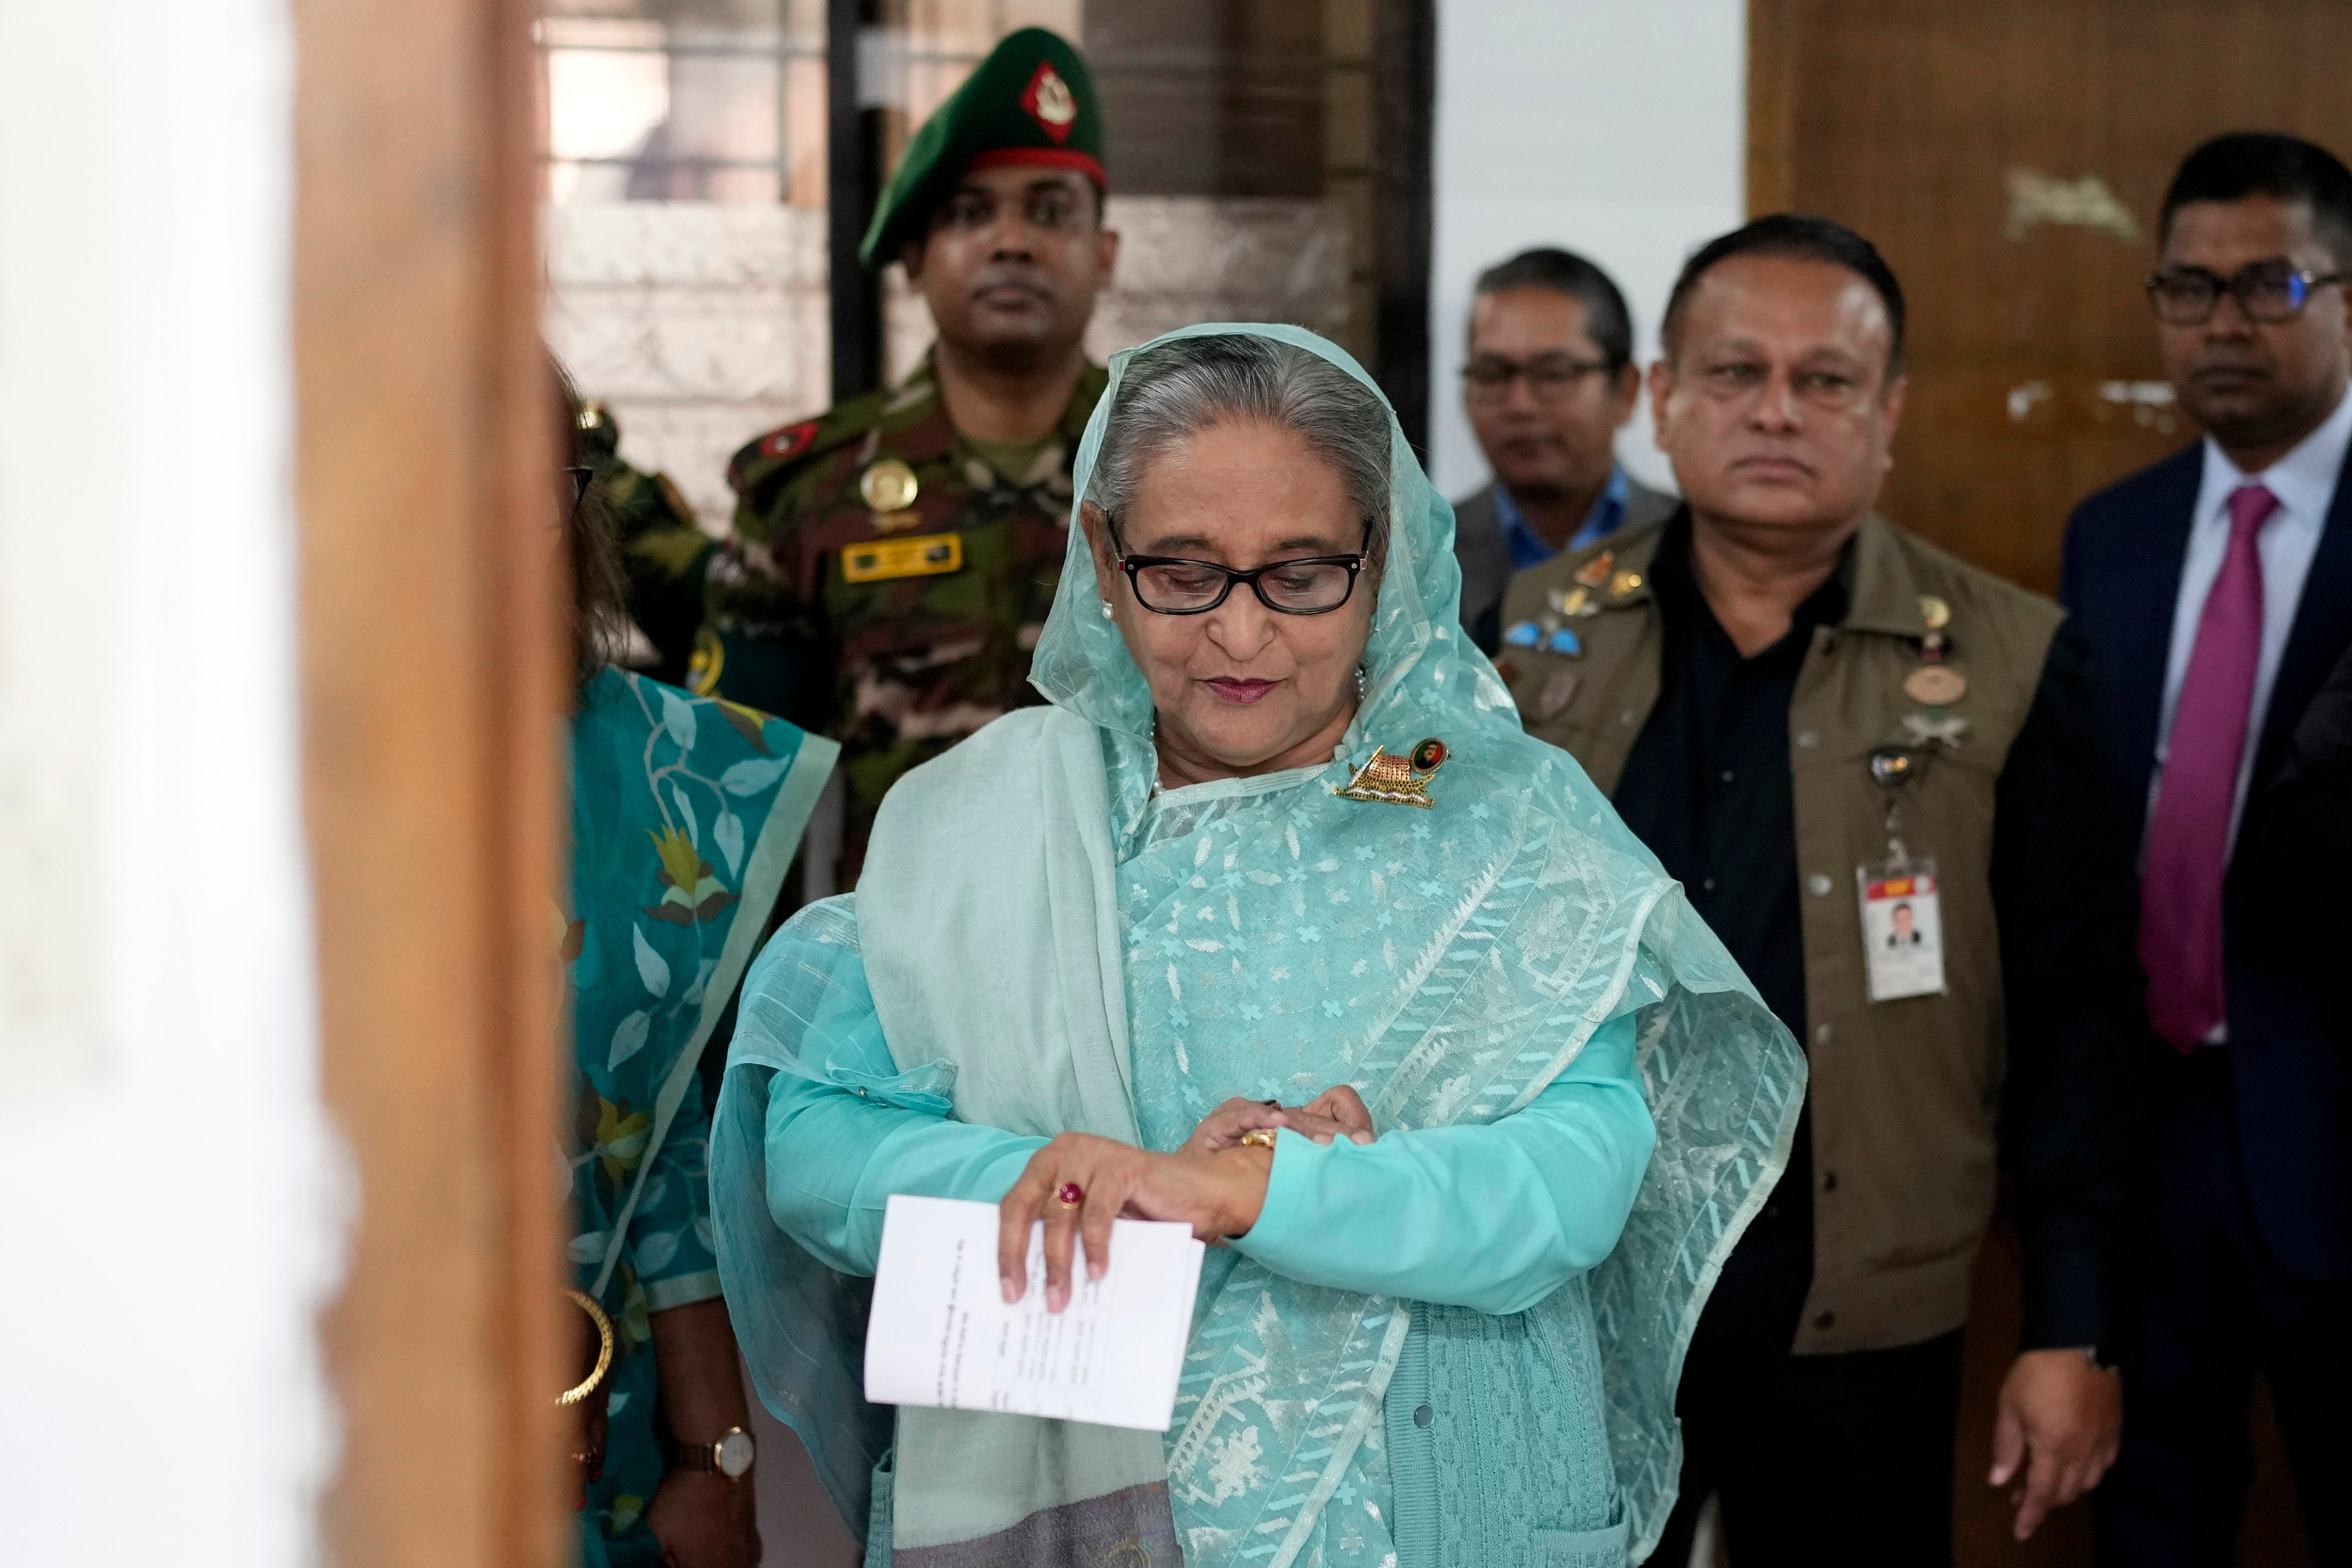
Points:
point(2303, 856)
point(1485, 555)
point(2290, 1043)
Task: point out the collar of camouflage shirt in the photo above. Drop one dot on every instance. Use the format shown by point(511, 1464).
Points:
point(928, 435)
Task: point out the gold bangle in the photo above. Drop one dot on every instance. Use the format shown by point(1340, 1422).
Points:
point(1258, 1138)
point(595, 1379)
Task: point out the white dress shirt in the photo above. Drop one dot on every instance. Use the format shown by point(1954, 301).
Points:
point(2304, 482)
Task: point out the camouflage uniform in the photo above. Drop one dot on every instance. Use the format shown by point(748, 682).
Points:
point(902, 665)
point(664, 554)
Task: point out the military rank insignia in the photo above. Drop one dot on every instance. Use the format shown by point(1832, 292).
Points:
point(924, 555)
point(1399, 781)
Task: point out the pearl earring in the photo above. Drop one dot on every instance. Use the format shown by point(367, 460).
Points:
point(1106, 611)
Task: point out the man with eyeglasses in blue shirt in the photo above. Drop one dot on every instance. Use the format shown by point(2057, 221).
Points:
point(1550, 381)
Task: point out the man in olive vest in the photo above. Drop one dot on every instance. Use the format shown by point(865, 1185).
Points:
point(1818, 721)
point(893, 560)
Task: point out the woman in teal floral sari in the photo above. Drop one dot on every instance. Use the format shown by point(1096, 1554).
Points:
point(685, 816)
point(1277, 836)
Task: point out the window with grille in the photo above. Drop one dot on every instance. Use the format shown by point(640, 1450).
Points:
point(700, 101)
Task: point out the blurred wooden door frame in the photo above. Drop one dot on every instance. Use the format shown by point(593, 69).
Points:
point(2007, 156)
point(1405, 205)
point(434, 685)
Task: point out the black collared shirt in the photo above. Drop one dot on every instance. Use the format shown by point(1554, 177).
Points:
point(1708, 787)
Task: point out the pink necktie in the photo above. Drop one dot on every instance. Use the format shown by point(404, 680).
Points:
point(2188, 833)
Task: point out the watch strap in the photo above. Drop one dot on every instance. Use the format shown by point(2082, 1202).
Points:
point(701, 1457)
point(704, 1458)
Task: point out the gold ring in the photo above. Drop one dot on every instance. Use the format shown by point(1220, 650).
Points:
point(590, 1383)
point(1258, 1138)
point(1070, 1194)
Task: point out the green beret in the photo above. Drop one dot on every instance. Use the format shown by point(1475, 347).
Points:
point(1032, 100)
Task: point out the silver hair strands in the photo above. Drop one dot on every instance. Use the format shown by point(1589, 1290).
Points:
point(1184, 387)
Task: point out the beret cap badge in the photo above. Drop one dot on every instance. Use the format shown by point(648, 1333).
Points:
point(1050, 103)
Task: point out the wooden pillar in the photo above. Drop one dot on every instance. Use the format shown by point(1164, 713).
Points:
point(853, 162)
point(434, 687)
point(1404, 98)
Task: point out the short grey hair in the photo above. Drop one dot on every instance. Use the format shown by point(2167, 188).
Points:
point(1181, 388)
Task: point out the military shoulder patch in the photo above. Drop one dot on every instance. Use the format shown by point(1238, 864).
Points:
point(789, 442)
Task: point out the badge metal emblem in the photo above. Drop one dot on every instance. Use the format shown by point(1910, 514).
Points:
point(1924, 729)
point(925, 556)
point(888, 486)
point(1935, 686)
point(1935, 612)
point(1595, 571)
point(1892, 767)
point(1625, 582)
point(1399, 781)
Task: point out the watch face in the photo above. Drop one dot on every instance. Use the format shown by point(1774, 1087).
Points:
point(735, 1452)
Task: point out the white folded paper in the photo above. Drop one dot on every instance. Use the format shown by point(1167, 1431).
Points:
point(941, 1332)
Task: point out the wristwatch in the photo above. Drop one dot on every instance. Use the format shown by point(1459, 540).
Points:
point(730, 1457)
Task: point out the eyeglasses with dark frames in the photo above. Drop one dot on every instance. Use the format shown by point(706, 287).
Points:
point(2271, 292)
point(1550, 377)
point(1176, 586)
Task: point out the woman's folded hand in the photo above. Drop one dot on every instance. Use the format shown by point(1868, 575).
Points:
point(1337, 1113)
point(1080, 1184)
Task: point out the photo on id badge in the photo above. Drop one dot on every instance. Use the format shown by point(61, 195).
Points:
point(1902, 929)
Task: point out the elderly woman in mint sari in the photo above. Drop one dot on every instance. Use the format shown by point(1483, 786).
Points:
point(1277, 836)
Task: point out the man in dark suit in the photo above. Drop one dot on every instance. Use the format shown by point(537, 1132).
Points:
point(1549, 382)
point(2215, 589)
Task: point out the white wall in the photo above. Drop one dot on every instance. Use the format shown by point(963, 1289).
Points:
point(1615, 127)
point(162, 1145)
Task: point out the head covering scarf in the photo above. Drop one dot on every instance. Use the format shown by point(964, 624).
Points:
point(1471, 971)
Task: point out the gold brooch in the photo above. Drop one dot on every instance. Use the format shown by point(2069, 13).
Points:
point(1399, 781)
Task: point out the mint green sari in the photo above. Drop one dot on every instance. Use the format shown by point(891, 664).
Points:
point(1047, 945)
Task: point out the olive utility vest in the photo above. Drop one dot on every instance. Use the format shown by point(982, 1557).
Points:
point(1904, 1093)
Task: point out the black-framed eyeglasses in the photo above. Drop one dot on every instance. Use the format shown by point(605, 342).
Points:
point(2267, 292)
point(1550, 377)
point(581, 478)
point(1309, 586)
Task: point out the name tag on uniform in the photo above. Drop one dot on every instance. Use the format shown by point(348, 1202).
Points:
point(1902, 931)
point(924, 555)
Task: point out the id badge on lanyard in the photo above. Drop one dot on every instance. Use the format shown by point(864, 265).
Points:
point(1902, 914)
